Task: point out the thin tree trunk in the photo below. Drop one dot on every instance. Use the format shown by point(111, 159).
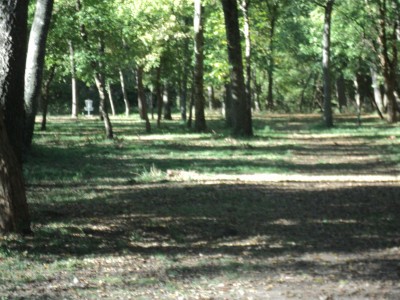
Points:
point(242, 121)
point(14, 212)
point(159, 96)
point(75, 105)
point(45, 96)
point(247, 36)
point(199, 101)
point(358, 97)
point(34, 65)
point(184, 81)
point(142, 98)
point(273, 12)
point(191, 105)
point(326, 53)
point(111, 98)
point(124, 94)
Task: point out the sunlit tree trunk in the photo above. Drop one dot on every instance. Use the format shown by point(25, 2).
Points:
point(159, 96)
point(111, 98)
point(247, 36)
point(75, 105)
point(35, 64)
point(124, 94)
point(14, 213)
point(242, 121)
point(378, 100)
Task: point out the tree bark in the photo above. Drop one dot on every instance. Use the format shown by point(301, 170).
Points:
point(242, 121)
point(142, 98)
point(75, 105)
point(13, 42)
point(247, 36)
point(389, 65)
point(378, 100)
point(199, 100)
point(14, 212)
point(159, 96)
point(326, 51)
point(124, 94)
point(111, 98)
point(34, 65)
point(273, 12)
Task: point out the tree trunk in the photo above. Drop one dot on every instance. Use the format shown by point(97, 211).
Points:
point(273, 12)
point(75, 105)
point(14, 213)
point(247, 36)
point(389, 65)
point(45, 96)
point(199, 101)
point(124, 94)
point(359, 98)
point(111, 98)
point(242, 121)
point(378, 100)
point(184, 81)
point(13, 43)
point(228, 105)
point(159, 96)
point(142, 98)
point(34, 65)
point(326, 53)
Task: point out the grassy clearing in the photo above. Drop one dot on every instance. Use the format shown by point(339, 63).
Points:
point(148, 216)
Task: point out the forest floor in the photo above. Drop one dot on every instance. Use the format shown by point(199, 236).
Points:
point(297, 212)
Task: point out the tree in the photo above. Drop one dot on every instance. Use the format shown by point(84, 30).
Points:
point(13, 54)
point(199, 101)
point(34, 65)
point(242, 121)
point(247, 36)
point(14, 213)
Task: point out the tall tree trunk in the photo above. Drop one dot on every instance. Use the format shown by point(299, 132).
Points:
point(34, 65)
point(124, 94)
point(389, 65)
point(273, 13)
point(14, 213)
point(242, 121)
point(247, 36)
point(378, 100)
point(45, 96)
point(111, 98)
point(326, 56)
point(199, 101)
point(142, 98)
point(159, 96)
point(13, 41)
point(359, 96)
point(184, 80)
point(75, 104)
point(98, 76)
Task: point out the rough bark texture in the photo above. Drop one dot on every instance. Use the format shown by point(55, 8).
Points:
point(14, 213)
point(326, 53)
point(13, 43)
point(273, 12)
point(142, 98)
point(34, 65)
point(242, 122)
point(246, 30)
point(389, 64)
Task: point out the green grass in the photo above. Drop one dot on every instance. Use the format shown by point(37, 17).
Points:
point(129, 216)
